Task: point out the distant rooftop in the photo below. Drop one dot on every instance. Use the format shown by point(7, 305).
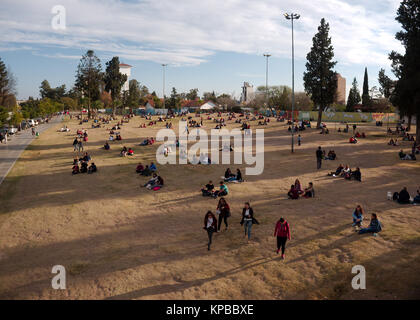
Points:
point(125, 65)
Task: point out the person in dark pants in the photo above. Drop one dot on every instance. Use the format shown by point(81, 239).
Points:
point(210, 225)
point(224, 213)
point(319, 155)
point(282, 232)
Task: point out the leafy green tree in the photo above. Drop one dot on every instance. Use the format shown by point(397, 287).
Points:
point(7, 87)
point(69, 103)
point(354, 96)
point(114, 81)
point(192, 95)
point(53, 93)
point(89, 77)
point(210, 96)
point(320, 80)
point(406, 67)
point(134, 93)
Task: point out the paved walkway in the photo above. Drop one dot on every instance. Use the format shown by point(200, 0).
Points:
point(11, 151)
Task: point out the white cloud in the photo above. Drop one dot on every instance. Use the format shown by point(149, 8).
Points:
point(187, 32)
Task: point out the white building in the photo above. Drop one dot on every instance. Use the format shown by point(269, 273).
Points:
point(247, 93)
point(125, 69)
point(208, 106)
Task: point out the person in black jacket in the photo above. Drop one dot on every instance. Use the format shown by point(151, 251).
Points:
point(223, 210)
point(319, 155)
point(210, 225)
point(404, 196)
point(248, 219)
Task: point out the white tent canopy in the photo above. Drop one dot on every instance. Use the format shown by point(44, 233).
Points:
point(208, 105)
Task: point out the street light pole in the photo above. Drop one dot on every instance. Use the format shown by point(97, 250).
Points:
point(164, 65)
point(293, 16)
point(267, 55)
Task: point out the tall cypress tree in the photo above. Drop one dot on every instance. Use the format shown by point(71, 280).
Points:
point(320, 80)
point(354, 97)
point(406, 67)
point(365, 94)
point(114, 80)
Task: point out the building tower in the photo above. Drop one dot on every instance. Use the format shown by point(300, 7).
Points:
point(125, 69)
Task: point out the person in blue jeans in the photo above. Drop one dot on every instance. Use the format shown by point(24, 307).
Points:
point(358, 216)
point(374, 226)
point(248, 219)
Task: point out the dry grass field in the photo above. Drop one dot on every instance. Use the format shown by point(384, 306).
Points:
point(120, 241)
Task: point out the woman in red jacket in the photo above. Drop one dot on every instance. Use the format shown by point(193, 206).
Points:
point(282, 232)
point(210, 225)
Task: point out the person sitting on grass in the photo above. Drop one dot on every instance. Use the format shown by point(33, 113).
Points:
point(75, 169)
point(239, 175)
point(403, 197)
point(309, 191)
point(86, 157)
point(123, 152)
point(229, 176)
point(356, 174)
point(222, 192)
point(353, 140)
point(298, 186)
point(130, 152)
point(118, 137)
point(346, 171)
point(153, 167)
point(374, 226)
point(106, 146)
point(331, 155)
point(208, 190)
point(149, 184)
point(139, 168)
point(84, 167)
point(92, 168)
point(416, 199)
point(337, 171)
point(158, 184)
point(358, 217)
point(145, 142)
point(404, 156)
point(293, 193)
point(146, 172)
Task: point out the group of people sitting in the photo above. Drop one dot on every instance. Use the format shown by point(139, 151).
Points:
point(155, 183)
point(210, 191)
point(358, 135)
point(231, 177)
point(331, 155)
point(374, 227)
point(117, 137)
point(148, 142)
point(353, 140)
point(403, 197)
point(347, 173)
point(406, 156)
point(146, 170)
point(393, 142)
point(296, 191)
point(126, 152)
point(81, 165)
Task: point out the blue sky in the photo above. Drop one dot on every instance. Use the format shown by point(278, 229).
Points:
point(209, 45)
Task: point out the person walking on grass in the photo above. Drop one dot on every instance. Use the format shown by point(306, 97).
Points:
point(248, 220)
point(282, 232)
point(223, 210)
point(319, 155)
point(210, 225)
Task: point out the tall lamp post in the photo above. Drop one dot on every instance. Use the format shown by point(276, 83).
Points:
point(267, 55)
point(293, 16)
point(163, 66)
